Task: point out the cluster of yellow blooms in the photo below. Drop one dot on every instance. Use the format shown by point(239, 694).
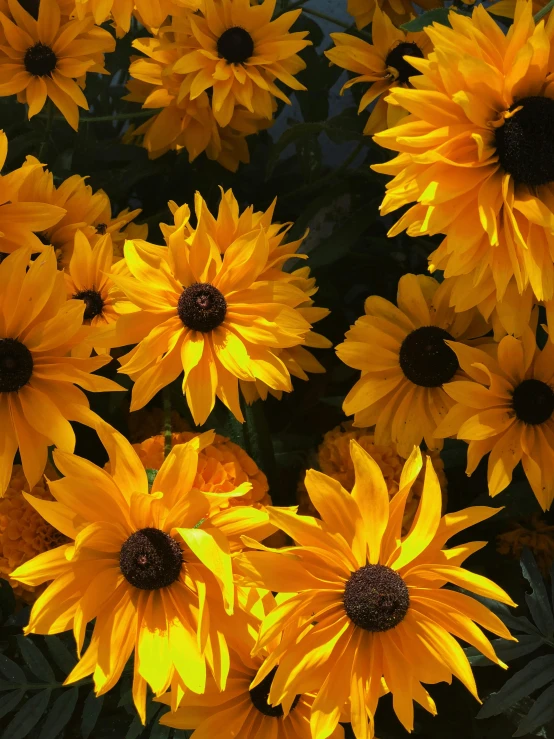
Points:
point(167, 550)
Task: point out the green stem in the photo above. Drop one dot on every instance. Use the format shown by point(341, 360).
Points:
point(115, 117)
point(48, 128)
point(544, 11)
point(168, 438)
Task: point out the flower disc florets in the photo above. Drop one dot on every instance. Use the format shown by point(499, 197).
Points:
point(235, 45)
point(376, 598)
point(40, 60)
point(395, 58)
point(202, 307)
point(16, 365)
point(93, 301)
point(150, 559)
point(425, 359)
point(259, 697)
point(533, 401)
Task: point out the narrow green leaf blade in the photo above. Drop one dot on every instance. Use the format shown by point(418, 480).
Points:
point(91, 712)
point(10, 701)
point(542, 711)
point(28, 716)
point(35, 660)
point(12, 672)
point(61, 655)
point(506, 650)
point(533, 676)
point(60, 714)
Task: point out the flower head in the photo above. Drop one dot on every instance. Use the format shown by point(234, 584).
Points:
point(38, 393)
point(505, 406)
point(404, 360)
point(474, 157)
point(148, 567)
point(382, 64)
point(399, 11)
point(370, 603)
point(23, 531)
point(48, 58)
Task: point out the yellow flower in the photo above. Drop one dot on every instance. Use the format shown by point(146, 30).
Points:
point(404, 361)
point(334, 460)
point(382, 64)
point(84, 210)
point(474, 157)
point(370, 603)
point(222, 467)
point(209, 315)
point(47, 58)
point(151, 422)
point(400, 11)
point(20, 213)
point(38, 396)
point(239, 711)
point(238, 51)
point(505, 406)
point(23, 532)
point(153, 574)
point(534, 534)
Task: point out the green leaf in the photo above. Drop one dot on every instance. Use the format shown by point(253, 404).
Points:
point(160, 732)
point(91, 712)
point(28, 716)
point(506, 650)
point(10, 701)
point(35, 660)
point(538, 602)
point(540, 714)
point(11, 671)
point(61, 654)
point(60, 714)
point(436, 15)
point(135, 729)
point(533, 676)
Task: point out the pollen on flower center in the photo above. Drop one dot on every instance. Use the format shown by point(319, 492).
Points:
point(94, 303)
point(259, 697)
point(525, 143)
point(395, 59)
point(40, 60)
point(16, 365)
point(533, 401)
point(235, 45)
point(202, 307)
point(150, 559)
point(425, 359)
point(376, 598)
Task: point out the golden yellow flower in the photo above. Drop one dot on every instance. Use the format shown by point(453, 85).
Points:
point(400, 11)
point(382, 65)
point(238, 52)
point(474, 157)
point(48, 58)
point(334, 460)
point(222, 467)
point(404, 361)
point(533, 533)
point(505, 406)
point(151, 422)
point(23, 531)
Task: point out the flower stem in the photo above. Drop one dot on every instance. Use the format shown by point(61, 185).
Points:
point(543, 11)
point(168, 437)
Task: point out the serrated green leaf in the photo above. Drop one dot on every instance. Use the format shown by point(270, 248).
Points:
point(35, 660)
point(540, 714)
point(91, 712)
point(506, 650)
point(534, 675)
point(436, 15)
point(28, 716)
point(135, 729)
point(159, 732)
point(538, 602)
point(11, 671)
point(10, 701)
point(60, 714)
point(61, 654)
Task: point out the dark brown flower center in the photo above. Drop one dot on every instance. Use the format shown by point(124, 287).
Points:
point(94, 303)
point(260, 694)
point(16, 365)
point(525, 143)
point(425, 359)
point(150, 559)
point(102, 228)
point(202, 307)
point(235, 45)
point(395, 59)
point(40, 60)
point(533, 402)
point(376, 598)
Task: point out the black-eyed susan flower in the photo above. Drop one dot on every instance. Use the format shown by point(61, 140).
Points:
point(505, 406)
point(404, 361)
point(382, 65)
point(48, 58)
point(363, 11)
point(148, 567)
point(38, 393)
point(370, 604)
point(209, 315)
point(475, 157)
point(238, 52)
point(241, 710)
point(23, 531)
